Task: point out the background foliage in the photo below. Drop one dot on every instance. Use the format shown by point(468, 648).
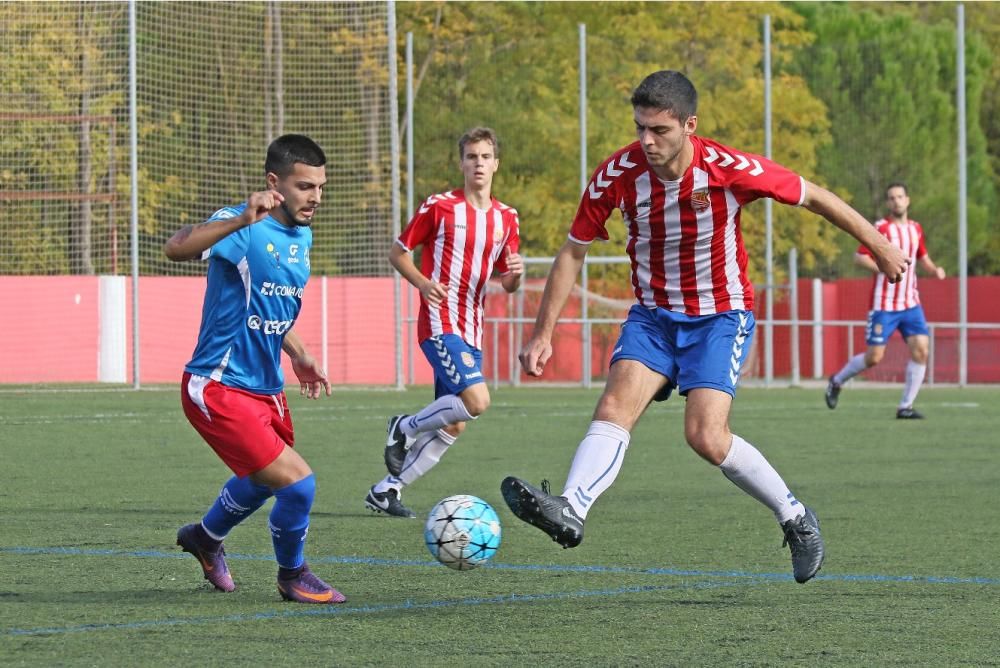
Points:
point(863, 94)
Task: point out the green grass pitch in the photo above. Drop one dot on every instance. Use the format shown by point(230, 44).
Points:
point(678, 566)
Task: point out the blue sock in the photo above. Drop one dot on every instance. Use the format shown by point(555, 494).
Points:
point(290, 521)
point(238, 499)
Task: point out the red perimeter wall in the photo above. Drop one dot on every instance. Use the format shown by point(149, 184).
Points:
point(57, 331)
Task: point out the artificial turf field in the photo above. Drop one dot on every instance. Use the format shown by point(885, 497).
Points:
point(678, 566)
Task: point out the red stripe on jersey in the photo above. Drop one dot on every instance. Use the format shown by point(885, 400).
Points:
point(443, 259)
point(720, 282)
point(741, 262)
point(688, 247)
point(656, 235)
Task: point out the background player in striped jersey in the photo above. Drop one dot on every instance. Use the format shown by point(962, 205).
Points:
point(232, 390)
point(680, 197)
point(465, 235)
point(894, 306)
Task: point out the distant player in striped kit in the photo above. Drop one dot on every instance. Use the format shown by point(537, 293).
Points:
point(680, 197)
point(894, 306)
point(232, 390)
point(465, 235)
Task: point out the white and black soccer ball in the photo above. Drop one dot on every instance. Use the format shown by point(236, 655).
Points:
point(462, 532)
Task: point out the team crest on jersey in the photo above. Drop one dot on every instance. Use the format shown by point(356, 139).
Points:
point(878, 330)
point(498, 234)
point(275, 254)
point(699, 200)
point(468, 360)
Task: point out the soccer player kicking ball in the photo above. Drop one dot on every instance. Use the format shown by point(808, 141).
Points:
point(680, 196)
point(465, 235)
point(232, 389)
point(894, 306)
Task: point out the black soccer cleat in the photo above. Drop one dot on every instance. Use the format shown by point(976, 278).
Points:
point(908, 414)
point(802, 536)
point(832, 393)
point(552, 514)
point(388, 503)
point(397, 444)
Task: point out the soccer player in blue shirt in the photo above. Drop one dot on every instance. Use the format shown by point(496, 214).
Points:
point(233, 388)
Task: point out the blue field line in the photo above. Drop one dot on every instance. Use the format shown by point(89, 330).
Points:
point(628, 570)
point(338, 611)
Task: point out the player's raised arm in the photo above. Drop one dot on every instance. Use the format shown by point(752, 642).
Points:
point(189, 242)
point(538, 349)
point(888, 257)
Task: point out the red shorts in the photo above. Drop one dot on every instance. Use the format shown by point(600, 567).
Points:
point(248, 431)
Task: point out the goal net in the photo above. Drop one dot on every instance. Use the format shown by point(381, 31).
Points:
point(216, 82)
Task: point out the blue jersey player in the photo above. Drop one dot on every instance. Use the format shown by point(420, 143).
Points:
point(232, 389)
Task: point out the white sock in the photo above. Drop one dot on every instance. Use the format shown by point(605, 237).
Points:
point(441, 412)
point(747, 469)
point(854, 366)
point(422, 456)
point(596, 464)
point(914, 377)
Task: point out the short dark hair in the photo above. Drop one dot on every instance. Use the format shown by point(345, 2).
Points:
point(287, 150)
point(479, 134)
point(897, 184)
point(667, 90)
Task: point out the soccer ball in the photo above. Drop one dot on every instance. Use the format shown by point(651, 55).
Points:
point(462, 532)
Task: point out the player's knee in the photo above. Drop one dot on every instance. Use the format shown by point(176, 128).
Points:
point(920, 355)
point(476, 403)
point(873, 357)
point(710, 443)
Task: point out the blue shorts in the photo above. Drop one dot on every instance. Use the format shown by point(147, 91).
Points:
point(456, 364)
point(691, 351)
point(881, 325)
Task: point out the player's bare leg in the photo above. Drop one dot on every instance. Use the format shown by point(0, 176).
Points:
point(706, 427)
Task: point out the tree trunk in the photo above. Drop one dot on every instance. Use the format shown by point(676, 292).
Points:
point(81, 261)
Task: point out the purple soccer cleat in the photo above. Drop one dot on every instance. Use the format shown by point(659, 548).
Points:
point(209, 553)
point(305, 587)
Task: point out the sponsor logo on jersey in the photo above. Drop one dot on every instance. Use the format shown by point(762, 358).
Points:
point(699, 200)
point(279, 327)
point(269, 289)
point(293, 251)
point(644, 204)
point(274, 254)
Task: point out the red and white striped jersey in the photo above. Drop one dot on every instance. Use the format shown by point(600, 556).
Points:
point(899, 296)
point(684, 236)
point(461, 247)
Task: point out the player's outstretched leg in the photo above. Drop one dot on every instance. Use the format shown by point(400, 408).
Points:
point(552, 514)
point(397, 443)
point(802, 536)
point(209, 553)
point(387, 502)
point(303, 586)
point(832, 393)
